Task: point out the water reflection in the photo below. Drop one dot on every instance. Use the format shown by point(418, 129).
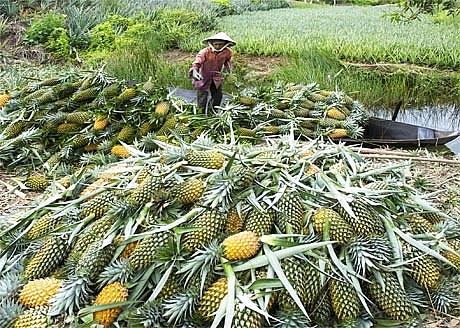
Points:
point(436, 117)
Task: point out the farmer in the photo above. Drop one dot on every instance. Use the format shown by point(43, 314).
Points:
point(206, 70)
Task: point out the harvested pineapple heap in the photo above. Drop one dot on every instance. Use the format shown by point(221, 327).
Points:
point(207, 234)
point(81, 119)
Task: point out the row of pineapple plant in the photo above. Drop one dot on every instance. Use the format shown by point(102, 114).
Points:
point(88, 118)
point(207, 234)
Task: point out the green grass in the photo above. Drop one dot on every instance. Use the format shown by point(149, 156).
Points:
point(324, 44)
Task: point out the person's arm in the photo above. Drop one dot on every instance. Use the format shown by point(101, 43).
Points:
point(197, 63)
point(228, 64)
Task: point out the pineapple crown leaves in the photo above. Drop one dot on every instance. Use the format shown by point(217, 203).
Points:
point(202, 263)
point(70, 297)
point(10, 310)
point(180, 306)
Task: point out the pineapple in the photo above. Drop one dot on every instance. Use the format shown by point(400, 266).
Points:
point(234, 221)
point(78, 141)
point(168, 125)
point(4, 98)
point(126, 95)
point(38, 292)
point(389, 296)
point(335, 113)
point(33, 318)
point(211, 224)
point(292, 318)
point(147, 249)
point(162, 108)
point(418, 224)
point(111, 293)
point(454, 258)
point(338, 133)
point(432, 217)
point(43, 226)
point(94, 231)
point(290, 215)
point(50, 255)
point(210, 302)
point(126, 134)
point(423, 268)
point(304, 279)
point(100, 122)
point(248, 100)
point(14, 129)
point(261, 223)
point(64, 128)
point(79, 117)
point(245, 317)
point(245, 132)
point(344, 299)
point(98, 205)
point(365, 222)
point(205, 158)
point(150, 189)
point(94, 259)
point(85, 95)
point(241, 246)
point(340, 230)
point(120, 151)
point(322, 311)
point(189, 191)
point(149, 87)
point(111, 90)
point(37, 182)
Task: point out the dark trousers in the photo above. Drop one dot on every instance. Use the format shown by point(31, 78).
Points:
point(202, 98)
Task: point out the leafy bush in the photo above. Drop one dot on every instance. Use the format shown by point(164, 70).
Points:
point(58, 43)
point(42, 28)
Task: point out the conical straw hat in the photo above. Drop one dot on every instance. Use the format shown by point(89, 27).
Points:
point(220, 36)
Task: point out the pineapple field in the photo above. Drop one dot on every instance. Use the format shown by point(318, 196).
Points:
point(150, 215)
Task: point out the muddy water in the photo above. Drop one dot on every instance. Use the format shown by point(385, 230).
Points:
point(439, 117)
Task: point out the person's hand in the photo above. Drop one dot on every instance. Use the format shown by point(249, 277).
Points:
point(196, 76)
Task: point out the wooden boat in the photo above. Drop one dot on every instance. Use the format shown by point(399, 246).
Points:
point(381, 131)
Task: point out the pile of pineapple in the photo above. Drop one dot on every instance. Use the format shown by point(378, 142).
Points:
point(90, 118)
point(207, 234)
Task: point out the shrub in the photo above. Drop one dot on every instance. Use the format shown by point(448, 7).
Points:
point(41, 28)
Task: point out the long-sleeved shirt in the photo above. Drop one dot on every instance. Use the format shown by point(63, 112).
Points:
point(210, 64)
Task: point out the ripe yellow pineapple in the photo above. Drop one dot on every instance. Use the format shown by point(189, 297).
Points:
point(111, 293)
point(38, 292)
point(100, 122)
point(126, 95)
point(33, 318)
point(162, 108)
point(120, 151)
point(338, 133)
point(335, 113)
point(241, 246)
point(4, 98)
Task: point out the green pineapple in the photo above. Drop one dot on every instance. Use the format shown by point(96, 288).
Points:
point(210, 302)
point(262, 223)
point(321, 310)
point(168, 125)
point(43, 226)
point(94, 231)
point(50, 255)
point(64, 128)
point(339, 229)
point(65, 90)
point(242, 175)
point(79, 117)
point(149, 87)
point(366, 222)
point(78, 141)
point(205, 158)
point(418, 224)
point(290, 212)
point(37, 182)
point(111, 90)
point(85, 95)
point(150, 189)
point(423, 268)
point(126, 95)
point(291, 318)
point(211, 224)
point(126, 134)
point(147, 249)
point(94, 259)
point(47, 97)
point(14, 129)
point(245, 317)
point(189, 191)
point(432, 217)
point(99, 204)
point(344, 299)
point(388, 295)
point(305, 280)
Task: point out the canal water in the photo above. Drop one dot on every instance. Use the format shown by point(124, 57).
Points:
point(438, 117)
